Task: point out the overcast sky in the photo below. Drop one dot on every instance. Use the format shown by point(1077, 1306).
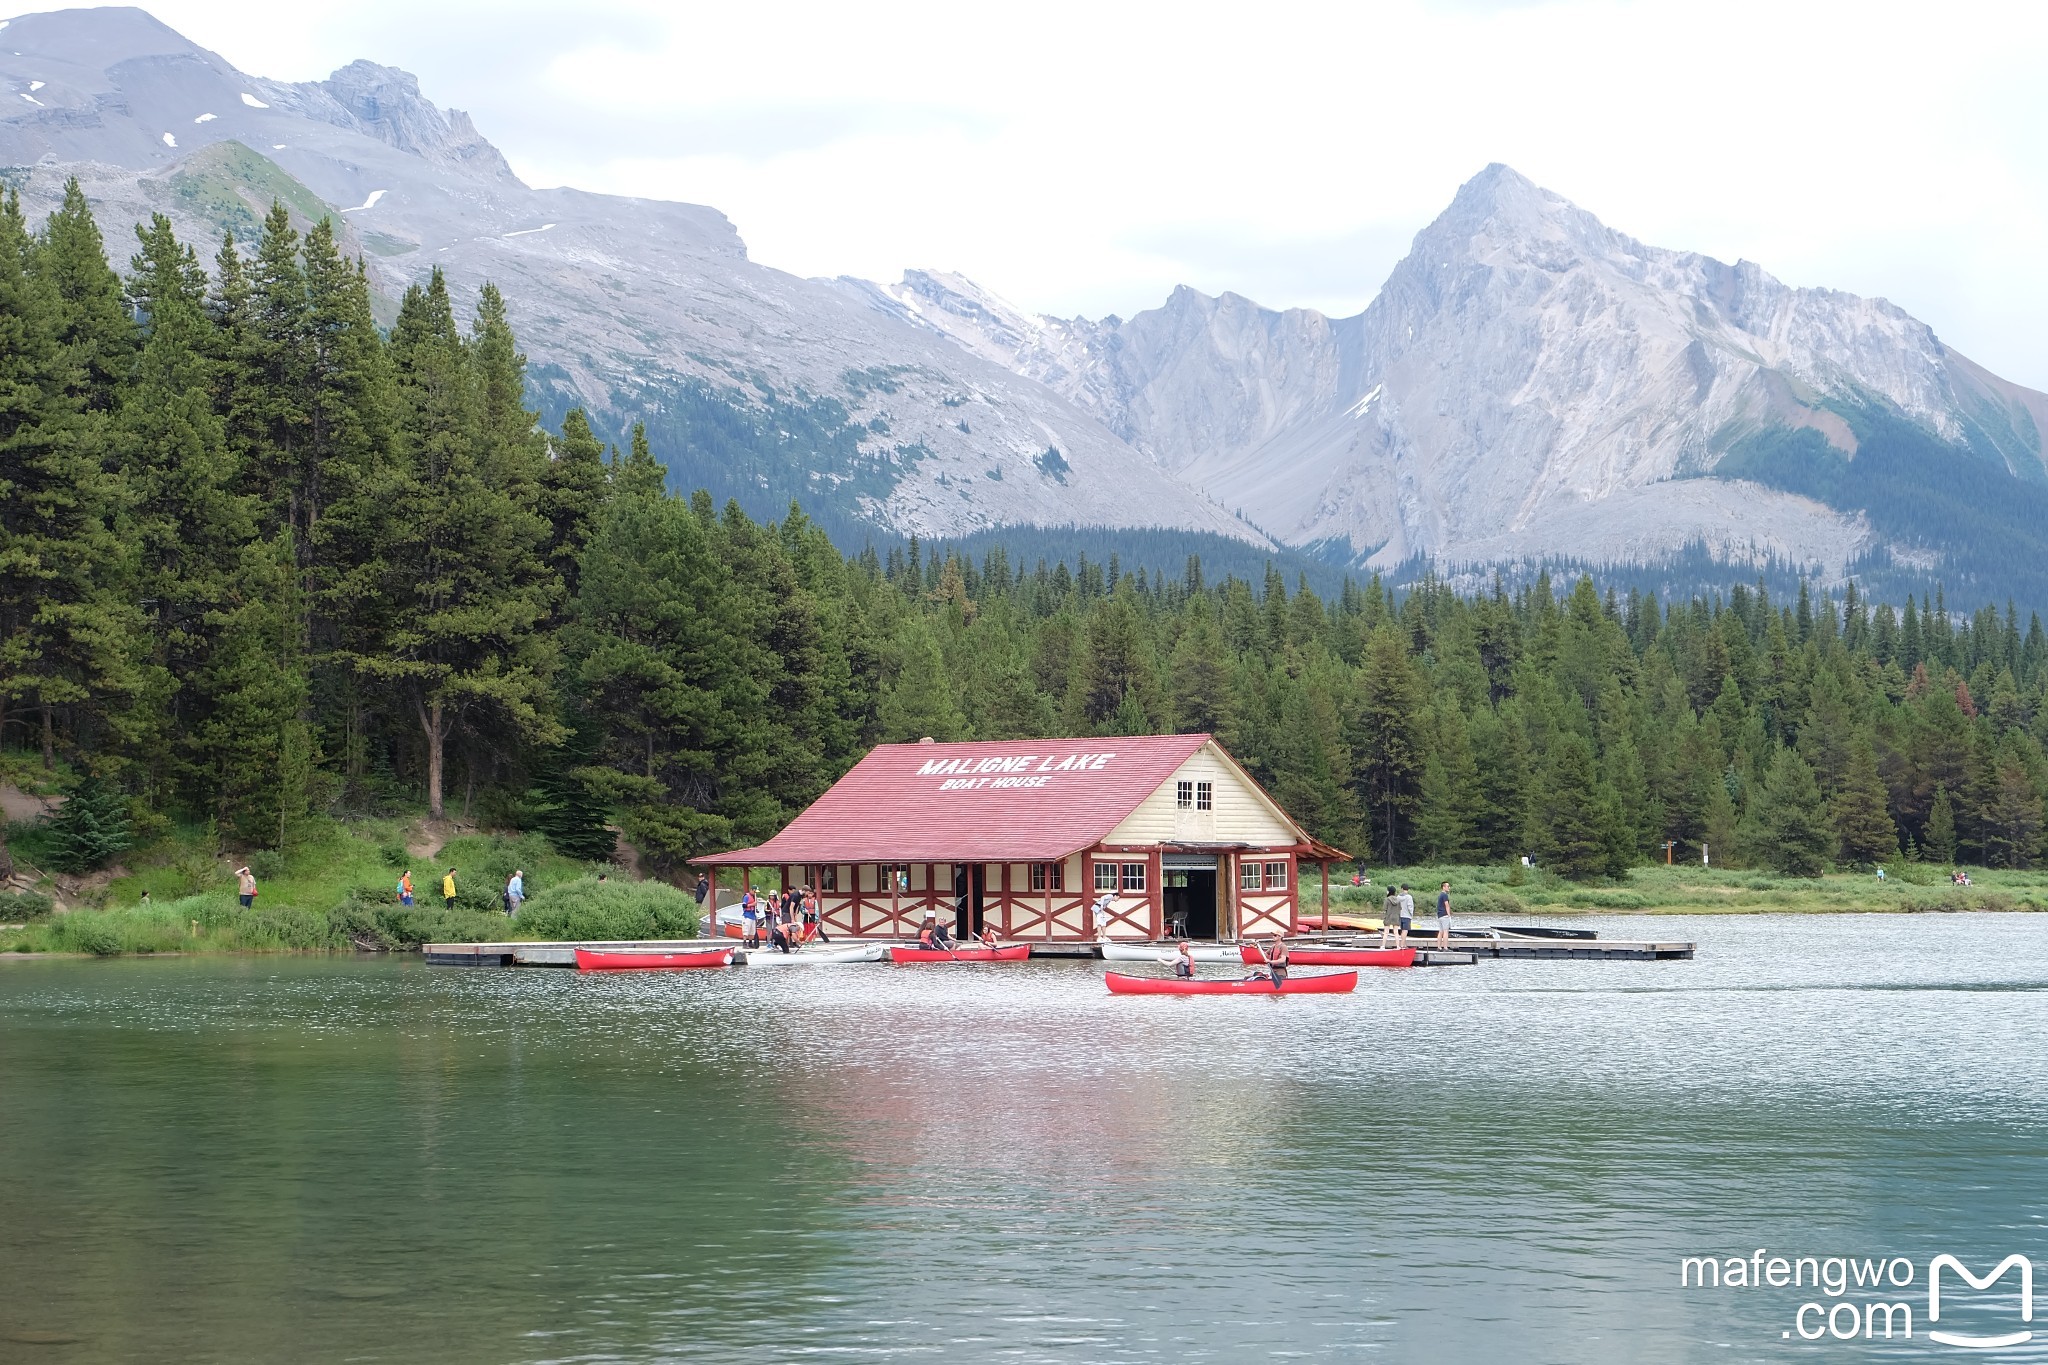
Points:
point(1087, 157)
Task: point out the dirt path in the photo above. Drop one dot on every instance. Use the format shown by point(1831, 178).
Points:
point(16, 804)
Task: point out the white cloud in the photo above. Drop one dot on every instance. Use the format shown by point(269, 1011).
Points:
point(1087, 157)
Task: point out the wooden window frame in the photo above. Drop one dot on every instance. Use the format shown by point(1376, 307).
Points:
point(1133, 878)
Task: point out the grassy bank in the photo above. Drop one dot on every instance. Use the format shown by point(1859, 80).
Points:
point(1503, 892)
point(335, 890)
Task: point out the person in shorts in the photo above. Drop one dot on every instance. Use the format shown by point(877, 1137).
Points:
point(1443, 917)
point(1390, 918)
point(1407, 912)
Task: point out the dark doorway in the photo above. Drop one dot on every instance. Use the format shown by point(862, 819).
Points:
point(970, 881)
point(1190, 902)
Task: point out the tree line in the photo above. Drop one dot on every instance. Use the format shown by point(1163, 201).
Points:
point(264, 562)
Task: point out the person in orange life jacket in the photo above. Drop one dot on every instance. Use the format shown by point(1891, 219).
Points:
point(405, 888)
point(1184, 960)
point(933, 935)
point(1274, 955)
point(989, 937)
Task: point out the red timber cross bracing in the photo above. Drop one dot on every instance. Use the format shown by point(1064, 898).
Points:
point(1029, 836)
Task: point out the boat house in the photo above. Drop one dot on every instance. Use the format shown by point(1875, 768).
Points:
point(1027, 835)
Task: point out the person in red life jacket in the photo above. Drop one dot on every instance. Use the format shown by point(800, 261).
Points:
point(1273, 954)
point(989, 937)
point(932, 937)
point(1184, 960)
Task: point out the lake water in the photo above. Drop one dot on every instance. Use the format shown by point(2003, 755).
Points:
point(332, 1160)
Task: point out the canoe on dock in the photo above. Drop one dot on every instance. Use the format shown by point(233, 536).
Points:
point(1009, 952)
point(1338, 957)
point(588, 960)
point(1329, 983)
point(768, 957)
point(1166, 952)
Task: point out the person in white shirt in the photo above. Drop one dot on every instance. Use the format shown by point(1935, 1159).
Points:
point(1102, 906)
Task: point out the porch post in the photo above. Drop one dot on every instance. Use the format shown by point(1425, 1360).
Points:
point(1326, 895)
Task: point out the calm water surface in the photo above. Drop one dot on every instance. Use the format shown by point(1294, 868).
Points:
point(334, 1160)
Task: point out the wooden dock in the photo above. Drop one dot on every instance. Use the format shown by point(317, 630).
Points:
point(1464, 951)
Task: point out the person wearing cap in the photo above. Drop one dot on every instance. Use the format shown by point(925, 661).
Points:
point(1184, 959)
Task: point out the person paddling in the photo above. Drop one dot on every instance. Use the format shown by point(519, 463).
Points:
point(989, 937)
point(1275, 954)
point(1184, 960)
point(932, 937)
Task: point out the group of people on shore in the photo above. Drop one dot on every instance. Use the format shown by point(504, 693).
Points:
point(1397, 916)
point(509, 900)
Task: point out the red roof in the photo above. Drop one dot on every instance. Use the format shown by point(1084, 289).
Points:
point(1026, 800)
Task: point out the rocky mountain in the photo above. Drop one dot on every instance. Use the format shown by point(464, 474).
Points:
point(754, 382)
point(1528, 382)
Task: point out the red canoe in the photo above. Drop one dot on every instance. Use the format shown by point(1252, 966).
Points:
point(1339, 957)
point(1009, 952)
point(1330, 983)
point(589, 961)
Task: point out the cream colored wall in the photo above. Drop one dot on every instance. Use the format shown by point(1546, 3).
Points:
point(1240, 816)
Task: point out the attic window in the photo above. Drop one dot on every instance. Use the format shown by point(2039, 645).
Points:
point(1205, 796)
point(1184, 795)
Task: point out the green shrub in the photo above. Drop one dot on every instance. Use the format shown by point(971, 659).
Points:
point(590, 909)
point(86, 932)
point(395, 855)
point(267, 864)
point(371, 921)
point(24, 907)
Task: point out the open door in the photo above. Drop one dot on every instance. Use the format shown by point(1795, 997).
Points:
point(970, 881)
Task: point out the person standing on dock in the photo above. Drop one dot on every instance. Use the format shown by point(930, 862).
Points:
point(702, 889)
point(1390, 919)
point(1407, 912)
point(1443, 917)
point(448, 890)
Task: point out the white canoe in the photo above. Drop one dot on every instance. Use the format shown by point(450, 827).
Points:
point(1159, 952)
point(865, 952)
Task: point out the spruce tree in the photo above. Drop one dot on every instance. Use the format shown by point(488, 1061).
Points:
point(95, 335)
point(91, 828)
point(1792, 833)
point(919, 704)
point(1863, 824)
point(1200, 677)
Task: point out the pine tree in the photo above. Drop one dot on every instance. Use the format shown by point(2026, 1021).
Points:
point(94, 333)
point(572, 488)
point(1792, 833)
point(1573, 816)
point(920, 703)
point(1863, 825)
point(1389, 747)
point(1449, 800)
point(1201, 677)
point(66, 627)
point(466, 585)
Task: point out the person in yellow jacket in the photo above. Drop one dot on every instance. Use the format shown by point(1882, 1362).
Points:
point(448, 889)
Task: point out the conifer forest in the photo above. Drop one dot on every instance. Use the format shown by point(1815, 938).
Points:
point(263, 563)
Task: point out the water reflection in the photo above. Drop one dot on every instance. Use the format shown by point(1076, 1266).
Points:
point(258, 1160)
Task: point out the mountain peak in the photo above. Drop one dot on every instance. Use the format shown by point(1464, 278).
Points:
point(385, 103)
point(99, 37)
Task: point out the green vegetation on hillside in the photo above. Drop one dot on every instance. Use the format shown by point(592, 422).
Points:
point(228, 184)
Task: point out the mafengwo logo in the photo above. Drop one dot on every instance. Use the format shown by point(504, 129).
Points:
point(1871, 1298)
